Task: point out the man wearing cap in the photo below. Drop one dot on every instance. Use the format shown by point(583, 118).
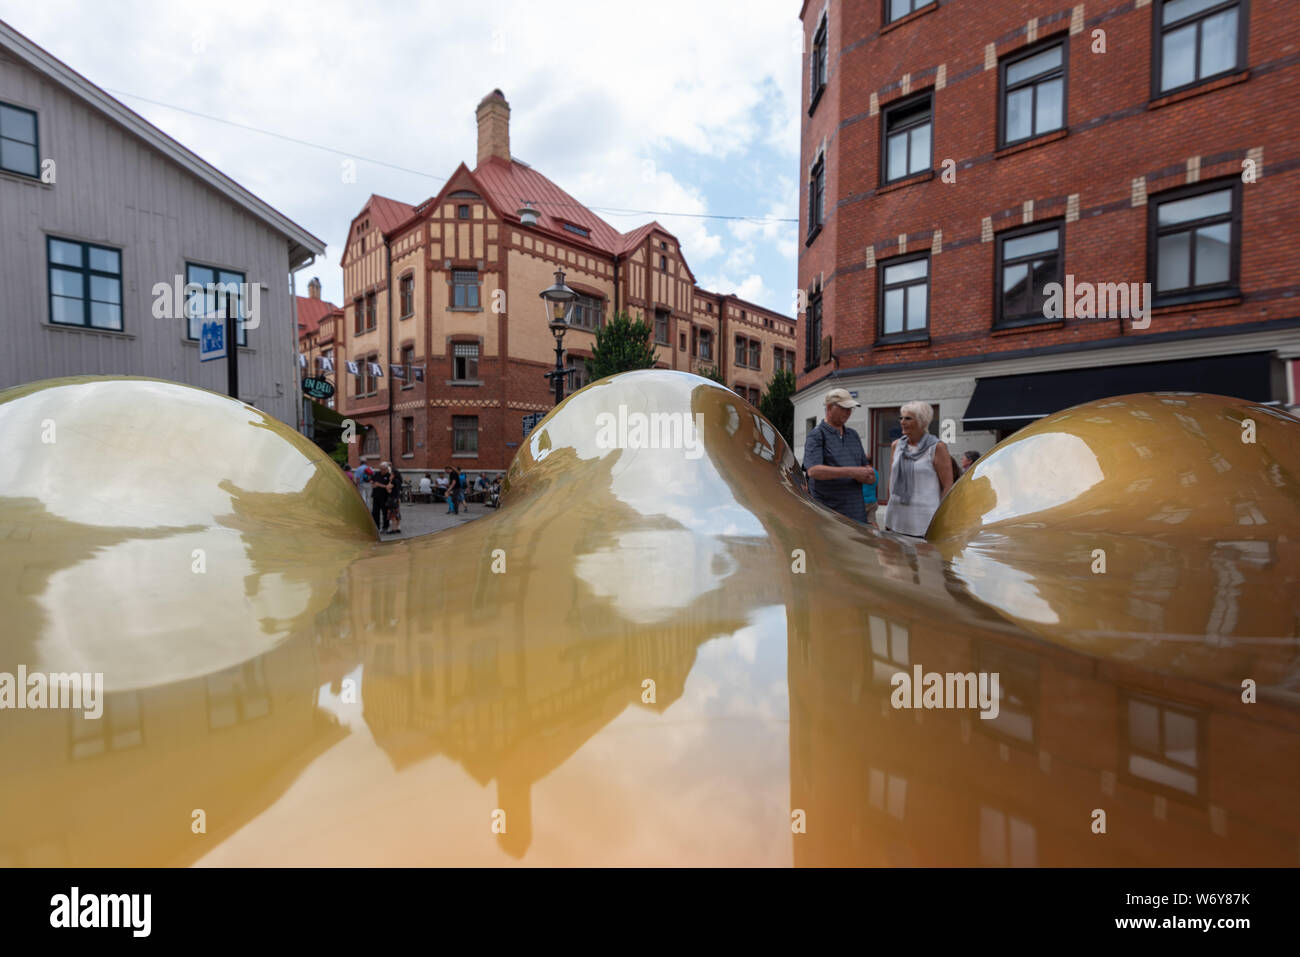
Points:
point(835, 461)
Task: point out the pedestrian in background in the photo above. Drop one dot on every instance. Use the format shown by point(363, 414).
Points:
point(835, 461)
point(453, 490)
point(869, 494)
point(920, 475)
point(395, 502)
point(379, 497)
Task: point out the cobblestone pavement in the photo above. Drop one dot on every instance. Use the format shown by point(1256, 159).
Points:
point(421, 519)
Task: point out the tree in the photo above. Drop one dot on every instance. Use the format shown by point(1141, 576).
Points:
point(777, 404)
point(622, 344)
point(710, 372)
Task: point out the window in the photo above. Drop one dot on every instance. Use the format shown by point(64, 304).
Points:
point(1006, 840)
point(118, 728)
point(1033, 94)
point(464, 433)
point(370, 445)
point(371, 320)
point(813, 332)
point(585, 233)
point(661, 326)
point(464, 284)
point(408, 359)
point(778, 360)
point(1194, 242)
point(1018, 681)
point(237, 694)
point(462, 212)
point(85, 284)
point(817, 197)
point(1163, 745)
point(755, 354)
point(889, 642)
point(588, 313)
point(817, 66)
point(1027, 260)
point(742, 351)
point(18, 149)
point(905, 298)
point(221, 287)
point(706, 344)
point(372, 380)
point(681, 341)
point(663, 263)
point(408, 435)
point(464, 361)
point(358, 316)
point(897, 9)
point(1197, 40)
point(907, 138)
point(578, 377)
point(406, 294)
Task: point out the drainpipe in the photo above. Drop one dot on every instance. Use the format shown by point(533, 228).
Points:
point(388, 277)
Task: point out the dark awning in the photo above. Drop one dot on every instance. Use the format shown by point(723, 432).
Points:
point(1010, 402)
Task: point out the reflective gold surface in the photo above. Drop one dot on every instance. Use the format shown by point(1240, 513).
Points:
point(327, 699)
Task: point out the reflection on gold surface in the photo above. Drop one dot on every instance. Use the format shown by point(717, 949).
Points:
point(644, 656)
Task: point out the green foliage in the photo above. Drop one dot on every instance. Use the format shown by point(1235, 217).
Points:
point(710, 372)
point(777, 404)
point(622, 344)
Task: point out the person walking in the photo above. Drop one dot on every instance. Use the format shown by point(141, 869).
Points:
point(835, 461)
point(920, 474)
point(395, 502)
point(453, 489)
point(379, 497)
point(362, 475)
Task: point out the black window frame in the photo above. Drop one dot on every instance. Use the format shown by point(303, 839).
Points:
point(921, 335)
point(886, 17)
point(218, 276)
point(1158, 31)
point(35, 144)
point(86, 273)
point(817, 66)
point(1000, 320)
point(460, 283)
point(1061, 72)
point(905, 105)
point(816, 197)
point(462, 211)
point(1226, 290)
point(662, 315)
point(813, 332)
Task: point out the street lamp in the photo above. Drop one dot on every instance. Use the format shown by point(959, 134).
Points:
point(558, 300)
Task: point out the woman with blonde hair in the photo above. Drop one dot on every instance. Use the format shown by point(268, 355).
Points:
point(919, 475)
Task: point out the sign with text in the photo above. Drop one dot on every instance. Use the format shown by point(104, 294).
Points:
point(212, 340)
point(531, 420)
point(317, 387)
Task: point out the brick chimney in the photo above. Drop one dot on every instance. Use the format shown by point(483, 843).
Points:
point(493, 127)
point(313, 288)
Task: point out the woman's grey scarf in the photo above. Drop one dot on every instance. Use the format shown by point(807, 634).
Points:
point(903, 484)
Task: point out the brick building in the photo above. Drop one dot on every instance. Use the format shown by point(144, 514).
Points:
point(319, 323)
point(959, 158)
point(448, 292)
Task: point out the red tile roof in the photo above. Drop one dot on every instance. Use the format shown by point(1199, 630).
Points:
point(311, 312)
point(509, 185)
point(386, 212)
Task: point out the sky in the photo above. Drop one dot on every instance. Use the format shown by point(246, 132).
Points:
point(687, 110)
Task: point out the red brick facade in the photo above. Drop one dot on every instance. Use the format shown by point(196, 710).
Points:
point(1122, 146)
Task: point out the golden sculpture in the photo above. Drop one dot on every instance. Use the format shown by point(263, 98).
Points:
point(649, 654)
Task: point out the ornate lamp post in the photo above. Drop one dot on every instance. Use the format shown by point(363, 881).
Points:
point(558, 300)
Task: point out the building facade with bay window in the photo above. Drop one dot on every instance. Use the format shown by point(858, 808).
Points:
point(1012, 208)
point(444, 327)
